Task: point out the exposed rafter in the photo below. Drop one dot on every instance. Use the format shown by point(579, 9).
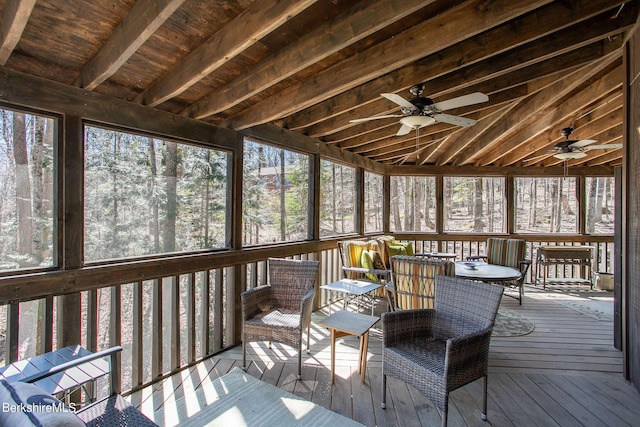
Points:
point(261, 18)
point(15, 15)
point(143, 20)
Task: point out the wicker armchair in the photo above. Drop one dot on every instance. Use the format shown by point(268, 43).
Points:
point(441, 349)
point(509, 253)
point(280, 310)
point(412, 281)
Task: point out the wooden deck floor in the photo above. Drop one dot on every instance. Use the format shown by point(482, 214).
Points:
point(564, 373)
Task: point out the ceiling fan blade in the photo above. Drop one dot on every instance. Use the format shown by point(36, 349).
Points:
point(582, 143)
point(394, 97)
point(404, 130)
point(604, 147)
point(462, 101)
point(454, 120)
point(366, 119)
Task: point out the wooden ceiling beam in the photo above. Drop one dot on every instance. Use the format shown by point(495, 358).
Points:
point(419, 170)
point(15, 16)
point(532, 128)
point(531, 107)
point(604, 130)
point(435, 34)
point(548, 19)
point(545, 142)
point(141, 22)
point(570, 44)
point(254, 23)
point(502, 83)
point(510, 95)
point(460, 140)
point(359, 22)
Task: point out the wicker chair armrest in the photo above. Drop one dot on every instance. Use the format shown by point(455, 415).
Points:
point(252, 298)
point(477, 258)
point(406, 324)
point(468, 350)
point(306, 308)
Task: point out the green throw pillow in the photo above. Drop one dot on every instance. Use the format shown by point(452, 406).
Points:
point(396, 250)
point(366, 261)
point(408, 246)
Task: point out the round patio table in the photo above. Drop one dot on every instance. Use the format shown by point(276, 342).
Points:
point(478, 270)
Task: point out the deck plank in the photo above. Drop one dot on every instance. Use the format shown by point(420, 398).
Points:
point(565, 372)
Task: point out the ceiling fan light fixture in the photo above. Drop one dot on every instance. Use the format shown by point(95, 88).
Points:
point(416, 122)
point(570, 156)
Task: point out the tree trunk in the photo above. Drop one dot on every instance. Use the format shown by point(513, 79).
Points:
point(408, 208)
point(153, 199)
point(591, 206)
point(334, 209)
point(207, 199)
point(23, 185)
point(417, 203)
point(555, 208)
point(395, 207)
point(533, 203)
point(37, 157)
point(115, 243)
point(478, 223)
point(283, 208)
point(171, 175)
point(427, 207)
point(599, 198)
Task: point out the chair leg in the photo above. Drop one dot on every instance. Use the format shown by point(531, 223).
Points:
point(244, 354)
point(308, 339)
point(445, 410)
point(484, 399)
point(299, 376)
point(521, 291)
point(384, 391)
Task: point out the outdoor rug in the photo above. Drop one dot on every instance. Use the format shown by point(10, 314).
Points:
point(599, 308)
point(239, 399)
point(510, 323)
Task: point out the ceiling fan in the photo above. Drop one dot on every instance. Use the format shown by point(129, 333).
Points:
point(419, 111)
point(570, 149)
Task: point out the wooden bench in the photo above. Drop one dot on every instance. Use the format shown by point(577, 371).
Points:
point(580, 256)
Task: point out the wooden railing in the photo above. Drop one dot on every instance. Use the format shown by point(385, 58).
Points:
point(166, 322)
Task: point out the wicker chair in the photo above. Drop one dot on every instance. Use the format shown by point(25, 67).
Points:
point(441, 349)
point(412, 281)
point(280, 310)
point(509, 253)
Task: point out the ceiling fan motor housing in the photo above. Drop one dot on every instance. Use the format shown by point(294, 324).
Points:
point(424, 105)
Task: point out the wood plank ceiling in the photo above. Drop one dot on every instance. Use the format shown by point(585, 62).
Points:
point(311, 66)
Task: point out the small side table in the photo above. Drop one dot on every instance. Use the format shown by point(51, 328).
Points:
point(343, 323)
point(352, 289)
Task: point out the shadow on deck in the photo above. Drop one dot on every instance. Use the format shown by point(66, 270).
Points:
point(565, 372)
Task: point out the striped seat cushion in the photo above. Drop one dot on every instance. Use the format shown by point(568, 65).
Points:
point(414, 280)
point(507, 252)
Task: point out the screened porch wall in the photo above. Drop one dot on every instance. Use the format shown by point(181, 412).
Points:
point(169, 311)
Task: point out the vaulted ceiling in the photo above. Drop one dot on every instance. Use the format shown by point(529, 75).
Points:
point(312, 66)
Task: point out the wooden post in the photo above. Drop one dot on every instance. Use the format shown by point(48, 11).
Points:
point(72, 189)
point(440, 209)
